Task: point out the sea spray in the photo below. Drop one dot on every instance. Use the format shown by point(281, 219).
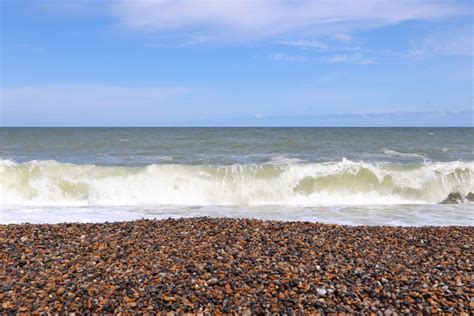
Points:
point(51, 183)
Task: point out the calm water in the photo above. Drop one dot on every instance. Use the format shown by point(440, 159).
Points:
point(394, 176)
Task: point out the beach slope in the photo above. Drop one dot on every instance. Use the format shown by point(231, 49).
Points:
point(234, 265)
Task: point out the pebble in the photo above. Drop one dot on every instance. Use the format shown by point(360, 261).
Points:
point(219, 266)
point(322, 291)
point(212, 281)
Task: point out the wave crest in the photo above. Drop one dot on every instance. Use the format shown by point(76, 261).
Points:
point(51, 183)
point(390, 152)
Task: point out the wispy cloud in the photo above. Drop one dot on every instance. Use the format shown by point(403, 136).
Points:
point(324, 44)
point(456, 42)
point(306, 44)
point(329, 49)
point(293, 58)
point(399, 119)
point(233, 20)
point(83, 98)
point(182, 42)
point(345, 38)
point(355, 58)
point(350, 58)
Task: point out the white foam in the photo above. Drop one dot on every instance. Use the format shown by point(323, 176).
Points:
point(50, 183)
point(282, 160)
point(399, 154)
point(394, 215)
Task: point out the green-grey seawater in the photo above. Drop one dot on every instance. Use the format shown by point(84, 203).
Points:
point(343, 175)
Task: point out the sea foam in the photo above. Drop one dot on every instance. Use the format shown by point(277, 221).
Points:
point(52, 183)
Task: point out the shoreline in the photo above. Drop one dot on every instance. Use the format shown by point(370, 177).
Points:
point(406, 215)
point(234, 265)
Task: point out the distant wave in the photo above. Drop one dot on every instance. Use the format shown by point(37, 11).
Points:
point(399, 154)
point(51, 183)
point(284, 160)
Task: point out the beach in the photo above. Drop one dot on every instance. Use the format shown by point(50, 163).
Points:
point(236, 220)
point(220, 265)
point(202, 157)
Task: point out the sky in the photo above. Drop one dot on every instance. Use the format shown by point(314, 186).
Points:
point(236, 63)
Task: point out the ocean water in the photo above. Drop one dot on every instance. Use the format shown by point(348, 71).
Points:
point(372, 176)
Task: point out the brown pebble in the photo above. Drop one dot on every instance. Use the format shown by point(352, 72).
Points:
point(240, 266)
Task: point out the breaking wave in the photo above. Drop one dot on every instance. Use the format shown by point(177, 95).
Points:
point(51, 183)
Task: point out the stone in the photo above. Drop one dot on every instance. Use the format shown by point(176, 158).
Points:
point(321, 291)
point(212, 281)
point(470, 197)
point(453, 198)
point(150, 266)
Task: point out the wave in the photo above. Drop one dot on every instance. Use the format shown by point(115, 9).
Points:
point(51, 183)
point(390, 152)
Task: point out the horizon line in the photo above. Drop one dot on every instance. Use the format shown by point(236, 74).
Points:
point(175, 126)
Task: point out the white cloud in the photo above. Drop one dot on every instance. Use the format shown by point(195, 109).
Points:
point(328, 44)
point(292, 58)
point(456, 42)
point(350, 58)
point(235, 19)
point(345, 38)
point(308, 44)
point(188, 40)
point(342, 58)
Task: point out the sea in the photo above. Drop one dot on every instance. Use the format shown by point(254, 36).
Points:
point(349, 176)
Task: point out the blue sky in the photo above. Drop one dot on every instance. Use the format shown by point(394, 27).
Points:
point(236, 63)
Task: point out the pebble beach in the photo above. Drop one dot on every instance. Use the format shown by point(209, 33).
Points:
point(218, 265)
